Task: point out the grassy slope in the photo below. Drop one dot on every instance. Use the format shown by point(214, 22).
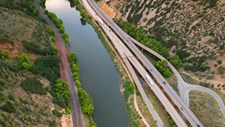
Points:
point(17, 24)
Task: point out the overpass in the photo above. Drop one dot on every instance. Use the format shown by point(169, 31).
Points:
point(124, 52)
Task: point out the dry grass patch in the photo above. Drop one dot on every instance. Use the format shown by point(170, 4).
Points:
point(144, 110)
point(157, 105)
point(206, 109)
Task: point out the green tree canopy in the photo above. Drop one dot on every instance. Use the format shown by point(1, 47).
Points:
point(162, 66)
point(86, 103)
point(176, 61)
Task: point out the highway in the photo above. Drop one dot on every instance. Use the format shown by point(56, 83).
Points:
point(183, 108)
point(65, 71)
point(119, 47)
point(184, 88)
point(124, 52)
point(183, 102)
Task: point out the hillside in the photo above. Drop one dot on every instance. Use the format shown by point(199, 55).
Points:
point(29, 69)
point(194, 30)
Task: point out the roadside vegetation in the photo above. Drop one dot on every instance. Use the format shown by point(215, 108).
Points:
point(162, 66)
point(140, 35)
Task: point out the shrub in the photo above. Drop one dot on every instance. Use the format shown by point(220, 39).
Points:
point(52, 123)
point(34, 86)
point(48, 67)
point(77, 82)
point(61, 93)
point(57, 113)
point(25, 58)
point(131, 87)
point(75, 67)
point(76, 75)
point(35, 48)
point(171, 122)
point(221, 69)
point(8, 107)
point(26, 65)
point(211, 3)
point(50, 32)
point(4, 54)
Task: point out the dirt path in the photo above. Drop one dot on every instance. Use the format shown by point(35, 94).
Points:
point(65, 71)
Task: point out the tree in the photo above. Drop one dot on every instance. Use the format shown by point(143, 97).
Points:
point(86, 103)
point(61, 93)
point(176, 61)
point(73, 58)
point(8, 107)
point(76, 76)
point(75, 67)
point(77, 82)
point(163, 68)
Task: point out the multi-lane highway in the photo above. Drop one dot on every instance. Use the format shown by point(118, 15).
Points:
point(125, 53)
point(65, 71)
point(119, 48)
point(184, 87)
point(184, 109)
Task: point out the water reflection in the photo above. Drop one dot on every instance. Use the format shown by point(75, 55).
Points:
point(97, 72)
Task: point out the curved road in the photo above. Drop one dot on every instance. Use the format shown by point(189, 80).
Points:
point(183, 108)
point(125, 53)
point(184, 87)
point(65, 71)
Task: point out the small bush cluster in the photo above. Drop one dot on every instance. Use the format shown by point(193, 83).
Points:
point(61, 94)
point(35, 48)
point(33, 85)
point(176, 61)
point(47, 67)
point(4, 54)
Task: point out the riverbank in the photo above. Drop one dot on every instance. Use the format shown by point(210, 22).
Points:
point(127, 92)
point(98, 74)
point(65, 70)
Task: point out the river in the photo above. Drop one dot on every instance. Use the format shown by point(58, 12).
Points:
point(98, 75)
